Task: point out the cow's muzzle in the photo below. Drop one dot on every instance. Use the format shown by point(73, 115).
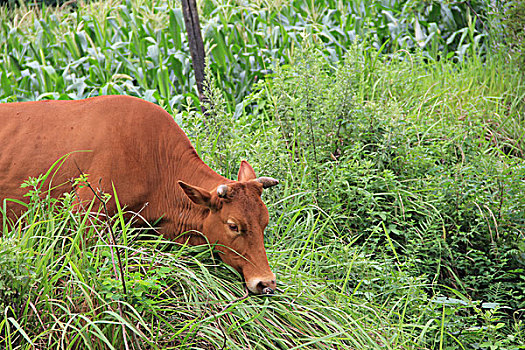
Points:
point(262, 286)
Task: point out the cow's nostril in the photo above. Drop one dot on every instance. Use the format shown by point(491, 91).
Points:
point(267, 291)
point(264, 288)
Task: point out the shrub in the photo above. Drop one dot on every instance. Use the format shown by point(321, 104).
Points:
point(430, 190)
point(17, 278)
point(507, 32)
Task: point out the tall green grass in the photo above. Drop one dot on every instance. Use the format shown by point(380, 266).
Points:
point(61, 288)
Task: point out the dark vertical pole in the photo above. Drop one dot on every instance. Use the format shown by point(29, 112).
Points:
point(193, 28)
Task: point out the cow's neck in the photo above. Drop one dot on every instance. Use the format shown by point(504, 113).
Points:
point(186, 218)
point(183, 163)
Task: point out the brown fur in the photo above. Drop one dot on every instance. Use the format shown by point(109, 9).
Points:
point(139, 148)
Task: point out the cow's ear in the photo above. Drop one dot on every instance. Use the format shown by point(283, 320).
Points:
point(196, 194)
point(246, 172)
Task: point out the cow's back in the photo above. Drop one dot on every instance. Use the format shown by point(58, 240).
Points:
point(112, 139)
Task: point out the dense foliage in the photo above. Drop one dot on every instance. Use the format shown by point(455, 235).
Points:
point(395, 127)
point(140, 48)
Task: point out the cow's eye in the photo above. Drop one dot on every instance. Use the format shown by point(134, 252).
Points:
point(233, 227)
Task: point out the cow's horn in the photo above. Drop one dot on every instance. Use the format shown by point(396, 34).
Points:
point(222, 191)
point(267, 181)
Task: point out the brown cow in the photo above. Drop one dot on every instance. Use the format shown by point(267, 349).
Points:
point(139, 148)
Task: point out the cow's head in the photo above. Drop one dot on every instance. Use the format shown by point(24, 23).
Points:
point(236, 222)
